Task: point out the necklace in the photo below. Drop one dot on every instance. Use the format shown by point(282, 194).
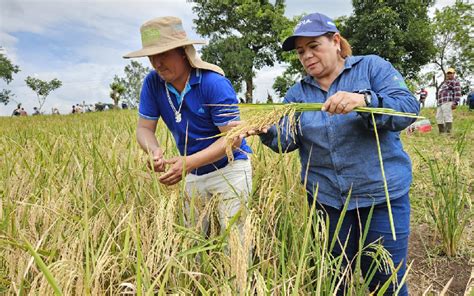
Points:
point(177, 113)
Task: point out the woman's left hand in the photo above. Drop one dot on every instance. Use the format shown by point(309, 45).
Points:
point(343, 102)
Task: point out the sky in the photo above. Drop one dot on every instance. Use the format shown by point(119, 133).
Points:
point(81, 42)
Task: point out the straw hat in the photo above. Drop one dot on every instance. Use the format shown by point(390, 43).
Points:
point(165, 33)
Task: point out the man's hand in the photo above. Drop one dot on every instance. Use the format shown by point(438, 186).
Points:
point(158, 162)
point(174, 174)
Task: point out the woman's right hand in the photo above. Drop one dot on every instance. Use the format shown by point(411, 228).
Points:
point(248, 133)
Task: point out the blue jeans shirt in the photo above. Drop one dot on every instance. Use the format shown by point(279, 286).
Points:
point(340, 151)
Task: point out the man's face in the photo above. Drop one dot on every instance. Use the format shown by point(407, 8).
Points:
point(170, 65)
point(450, 75)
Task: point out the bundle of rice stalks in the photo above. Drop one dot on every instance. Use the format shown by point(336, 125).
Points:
point(260, 116)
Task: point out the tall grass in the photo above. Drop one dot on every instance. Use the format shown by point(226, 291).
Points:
point(450, 207)
point(77, 188)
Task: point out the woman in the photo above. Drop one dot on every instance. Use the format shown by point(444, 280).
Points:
point(338, 149)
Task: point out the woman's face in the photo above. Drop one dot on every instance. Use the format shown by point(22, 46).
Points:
point(318, 55)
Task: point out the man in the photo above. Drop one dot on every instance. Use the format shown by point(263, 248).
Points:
point(423, 94)
point(182, 90)
point(470, 99)
point(448, 98)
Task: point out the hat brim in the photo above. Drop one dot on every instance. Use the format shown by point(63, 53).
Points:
point(152, 50)
point(289, 43)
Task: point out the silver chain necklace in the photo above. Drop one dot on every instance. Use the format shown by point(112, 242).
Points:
point(177, 113)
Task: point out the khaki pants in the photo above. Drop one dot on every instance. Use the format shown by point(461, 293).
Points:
point(231, 185)
point(444, 113)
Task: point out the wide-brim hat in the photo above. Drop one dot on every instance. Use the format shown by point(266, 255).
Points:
point(312, 25)
point(166, 33)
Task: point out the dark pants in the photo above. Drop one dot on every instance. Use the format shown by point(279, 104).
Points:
point(379, 228)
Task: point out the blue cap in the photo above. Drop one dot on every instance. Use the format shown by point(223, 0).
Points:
point(312, 25)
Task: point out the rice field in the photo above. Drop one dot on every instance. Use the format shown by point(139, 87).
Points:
point(81, 214)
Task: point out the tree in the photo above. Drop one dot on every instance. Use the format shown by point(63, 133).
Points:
point(452, 27)
point(244, 36)
point(116, 91)
point(399, 31)
point(135, 72)
point(294, 70)
point(7, 69)
point(42, 88)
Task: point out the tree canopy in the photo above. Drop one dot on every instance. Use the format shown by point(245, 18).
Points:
point(135, 72)
point(398, 31)
point(453, 28)
point(7, 69)
point(244, 36)
point(42, 88)
point(116, 91)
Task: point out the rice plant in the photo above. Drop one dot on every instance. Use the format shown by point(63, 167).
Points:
point(451, 205)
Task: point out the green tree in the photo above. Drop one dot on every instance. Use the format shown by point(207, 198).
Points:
point(135, 72)
point(453, 28)
point(42, 88)
point(7, 69)
point(294, 70)
point(247, 30)
point(398, 31)
point(116, 91)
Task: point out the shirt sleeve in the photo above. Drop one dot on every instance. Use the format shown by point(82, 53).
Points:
point(457, 91)
point(388, 90)
point(148, 107)
point(221, 92)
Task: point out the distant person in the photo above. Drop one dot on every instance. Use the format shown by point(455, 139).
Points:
point(448, 98)
point(17, 111)
point(73, 111)
point(470, 99)
point(35, 111)
point(423, 95)
point(23, 112)
point(124, 106)
point(55, 111)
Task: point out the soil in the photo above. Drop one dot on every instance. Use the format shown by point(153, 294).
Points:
point(432, 270)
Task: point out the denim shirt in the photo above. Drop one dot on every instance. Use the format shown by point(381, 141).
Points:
point(339, 152)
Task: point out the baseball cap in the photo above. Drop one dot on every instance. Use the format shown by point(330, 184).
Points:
point(312, 25)
point(451, 70)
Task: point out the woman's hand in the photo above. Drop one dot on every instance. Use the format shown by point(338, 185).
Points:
point(343, 102)
point(249, 132)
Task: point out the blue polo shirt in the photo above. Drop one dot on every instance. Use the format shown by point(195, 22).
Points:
point(199, 120)
point(339, 152)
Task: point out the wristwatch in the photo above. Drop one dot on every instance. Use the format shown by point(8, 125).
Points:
point(367, 98)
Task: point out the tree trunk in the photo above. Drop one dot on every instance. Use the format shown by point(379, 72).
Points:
point(249, 91)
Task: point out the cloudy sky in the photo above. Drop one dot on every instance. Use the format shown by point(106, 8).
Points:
point(81, 42)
